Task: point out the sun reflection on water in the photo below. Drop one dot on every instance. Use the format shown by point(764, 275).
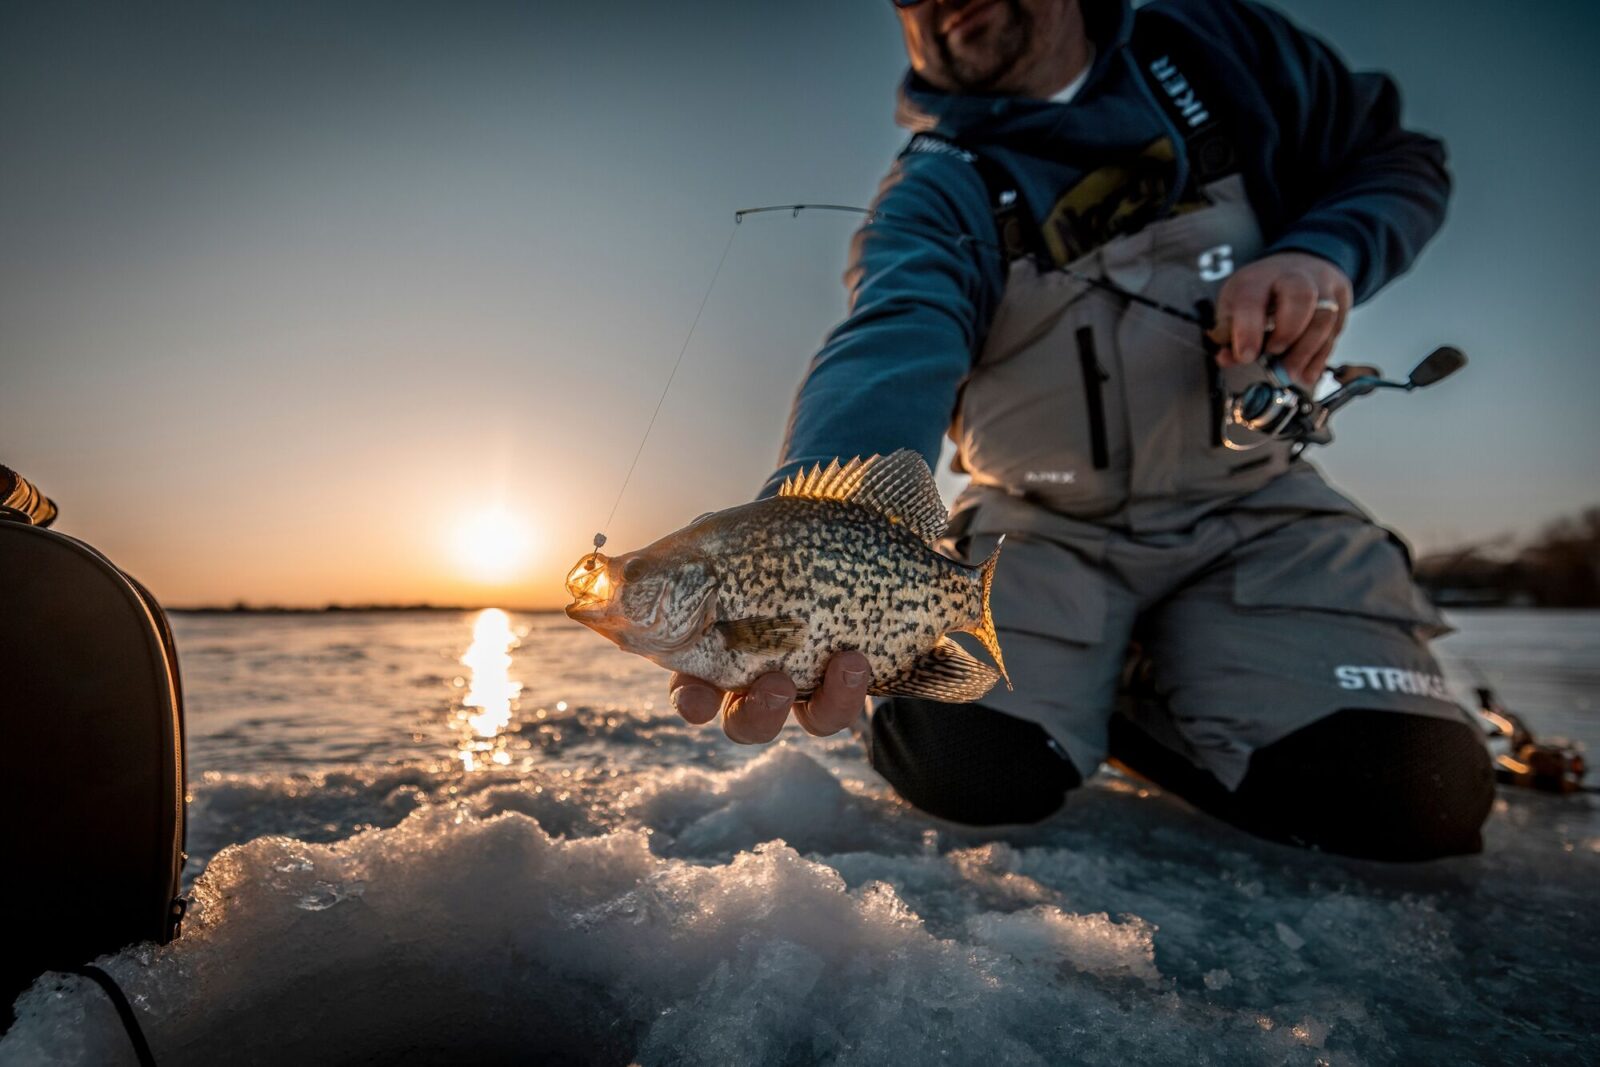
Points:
point(491, 690)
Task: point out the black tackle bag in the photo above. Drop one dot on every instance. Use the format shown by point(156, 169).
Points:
point(91, 797)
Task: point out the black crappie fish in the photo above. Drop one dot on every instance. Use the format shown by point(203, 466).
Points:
point(842, 558)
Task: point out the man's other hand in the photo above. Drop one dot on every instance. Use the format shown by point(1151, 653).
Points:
point(1306, 298)
point(756, 716)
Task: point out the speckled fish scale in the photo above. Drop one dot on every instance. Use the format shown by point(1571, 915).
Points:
point(841, 559)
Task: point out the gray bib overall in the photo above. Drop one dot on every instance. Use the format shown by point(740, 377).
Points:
point(1262, 598)
point(1106, 411)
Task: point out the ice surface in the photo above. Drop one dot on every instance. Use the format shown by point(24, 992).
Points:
point(1291, 940)
point(676, 927)
point(644, 892)
point(1090, 943)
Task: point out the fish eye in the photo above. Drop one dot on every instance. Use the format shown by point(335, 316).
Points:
point(635, 568)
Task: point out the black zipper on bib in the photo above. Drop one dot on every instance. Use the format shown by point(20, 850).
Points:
point(1093, 378)
point(1206, 312)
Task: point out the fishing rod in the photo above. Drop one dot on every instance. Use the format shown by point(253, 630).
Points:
point(1277, 408)
point(873, 217)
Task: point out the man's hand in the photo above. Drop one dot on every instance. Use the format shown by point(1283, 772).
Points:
point(1307, 300)
point(756, 716)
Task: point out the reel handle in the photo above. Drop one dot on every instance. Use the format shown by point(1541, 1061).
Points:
point(1440, 364)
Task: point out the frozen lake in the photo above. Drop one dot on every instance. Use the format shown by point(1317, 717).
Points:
point(485, 838)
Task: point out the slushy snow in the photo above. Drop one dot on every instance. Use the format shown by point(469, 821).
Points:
point(371, 884)
point(779, 913)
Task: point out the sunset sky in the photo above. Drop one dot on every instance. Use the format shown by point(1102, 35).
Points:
point(295, 296)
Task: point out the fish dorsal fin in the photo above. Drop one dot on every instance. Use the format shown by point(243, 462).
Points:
point(898, 486)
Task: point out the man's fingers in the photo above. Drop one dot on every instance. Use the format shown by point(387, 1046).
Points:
point(697, 701)
point(1300, 360)
point(1319, 361)
point(1294, 302)
point(1338, 331)
point(756, 716)
point(837, 702)
point(1242, 315)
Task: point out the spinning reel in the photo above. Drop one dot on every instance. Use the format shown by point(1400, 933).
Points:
point(1279, 408)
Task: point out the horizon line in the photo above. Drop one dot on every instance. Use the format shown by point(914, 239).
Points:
point(244, 608)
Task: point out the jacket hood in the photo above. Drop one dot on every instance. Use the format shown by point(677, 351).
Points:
point(996, 118)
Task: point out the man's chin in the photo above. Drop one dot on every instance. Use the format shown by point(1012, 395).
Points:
point(982, 80)
point(980, 68)
point(979, 60)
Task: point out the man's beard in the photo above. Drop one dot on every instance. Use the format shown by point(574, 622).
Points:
point(997, 51)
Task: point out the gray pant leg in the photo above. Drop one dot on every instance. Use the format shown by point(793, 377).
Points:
point(1064, 627)
point(1310, 618)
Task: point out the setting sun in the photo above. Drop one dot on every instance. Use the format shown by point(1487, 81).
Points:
point(493, 545)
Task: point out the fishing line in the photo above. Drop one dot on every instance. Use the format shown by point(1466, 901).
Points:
point(873, 218)
point(600, 538)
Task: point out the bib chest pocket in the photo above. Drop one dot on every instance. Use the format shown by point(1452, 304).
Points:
point(1089, 402)
point(1177, 401)
point(1041, 413)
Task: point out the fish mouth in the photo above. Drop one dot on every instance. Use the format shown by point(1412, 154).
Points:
point(591, 609)
point(586, 610)
point(650, 636)
point(595, 610)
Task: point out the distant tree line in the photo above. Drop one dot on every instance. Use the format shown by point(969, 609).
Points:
point(1558, 568)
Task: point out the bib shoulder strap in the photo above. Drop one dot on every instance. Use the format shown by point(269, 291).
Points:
point(1182, 83)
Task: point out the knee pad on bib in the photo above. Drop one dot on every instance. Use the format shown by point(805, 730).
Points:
point(1374, 784)
point(968, 763)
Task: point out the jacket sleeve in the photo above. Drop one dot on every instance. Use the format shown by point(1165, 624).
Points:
point(920, 301)
point(1360, 189)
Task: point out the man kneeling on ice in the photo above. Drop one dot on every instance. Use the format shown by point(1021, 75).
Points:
point(1209, 156)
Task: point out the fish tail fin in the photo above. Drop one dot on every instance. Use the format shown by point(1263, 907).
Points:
point(984, 630)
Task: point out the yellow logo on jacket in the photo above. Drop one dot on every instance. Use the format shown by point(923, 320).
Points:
point(1113, 201)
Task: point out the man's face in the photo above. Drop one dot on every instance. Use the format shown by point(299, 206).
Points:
point(980, 46)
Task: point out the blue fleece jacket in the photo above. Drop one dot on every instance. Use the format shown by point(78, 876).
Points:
point(1327, 166)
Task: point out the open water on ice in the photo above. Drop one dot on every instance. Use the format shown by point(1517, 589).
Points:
point(484, 838)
